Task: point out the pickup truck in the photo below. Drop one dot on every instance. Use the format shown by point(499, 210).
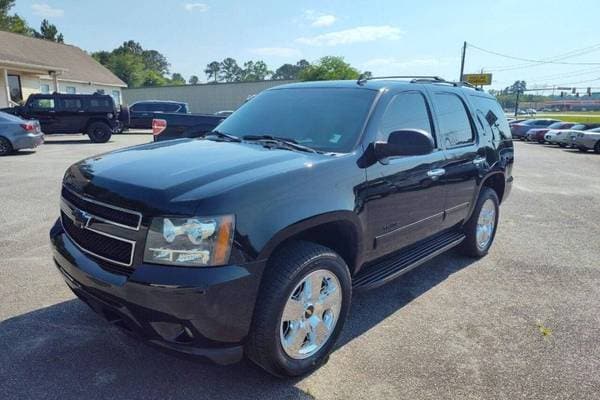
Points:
point(252, 239)
point(167, 126)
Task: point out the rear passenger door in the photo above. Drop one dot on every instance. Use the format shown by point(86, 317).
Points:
point(70, 114)
point(460, 143)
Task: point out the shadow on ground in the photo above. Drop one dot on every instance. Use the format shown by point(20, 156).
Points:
point(68, 141)
point(66, 351)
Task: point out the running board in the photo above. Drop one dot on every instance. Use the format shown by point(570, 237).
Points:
point(382, 272)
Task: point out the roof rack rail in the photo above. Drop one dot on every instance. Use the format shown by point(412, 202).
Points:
point(417, 79)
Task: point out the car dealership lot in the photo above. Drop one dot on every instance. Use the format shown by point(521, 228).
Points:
point(521, 322)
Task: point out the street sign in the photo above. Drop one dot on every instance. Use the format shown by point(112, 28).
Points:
point(478, 79)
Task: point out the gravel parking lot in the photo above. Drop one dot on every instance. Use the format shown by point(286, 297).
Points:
point(521, 323)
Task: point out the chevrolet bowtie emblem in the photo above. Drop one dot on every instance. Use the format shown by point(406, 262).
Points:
point(80, 218)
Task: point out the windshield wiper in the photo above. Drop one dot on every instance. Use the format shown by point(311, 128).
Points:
point(222, 135)
point(289, 143)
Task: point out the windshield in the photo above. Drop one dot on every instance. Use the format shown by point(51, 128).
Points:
point(325, 119)
point(559, 125)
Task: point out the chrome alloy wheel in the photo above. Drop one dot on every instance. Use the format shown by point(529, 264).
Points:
point(486, 224)
point(310, 314)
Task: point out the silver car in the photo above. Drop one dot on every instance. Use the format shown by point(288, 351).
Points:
point(556, 136)
point(588, 140)
point(17, 134)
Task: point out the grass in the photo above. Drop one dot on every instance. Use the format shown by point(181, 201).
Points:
point(581, 117)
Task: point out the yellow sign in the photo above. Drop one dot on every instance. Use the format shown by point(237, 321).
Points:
point(478, 79)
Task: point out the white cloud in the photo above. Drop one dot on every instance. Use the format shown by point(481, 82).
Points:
point(201, 7)
point(46, 11)
point(360, 34)
point(319, 20)
point(285, 52)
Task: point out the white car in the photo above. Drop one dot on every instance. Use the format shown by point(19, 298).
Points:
point(555, 136)
point(588, 140)
point(567, 139)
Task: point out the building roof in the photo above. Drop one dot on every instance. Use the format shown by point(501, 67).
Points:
point(72, 63)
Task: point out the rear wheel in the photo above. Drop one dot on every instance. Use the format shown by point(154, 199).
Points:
point(563, 145)
point(5, 147)
point(480, 230)
point(582, 149)
point(302, 305)
point(99, 132)
point(597, 147)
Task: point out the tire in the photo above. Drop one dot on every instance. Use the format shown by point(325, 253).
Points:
point(582, 149)
point(471, 246)
point(284, 278)
point(597, 147)
point(562, 145)
point(99, 132)
point(541, 141)
point(5, 147)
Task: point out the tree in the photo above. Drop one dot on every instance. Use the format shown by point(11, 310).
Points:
point(128, 68)
point(255, 71)
point(153, 78)
point(329, 68)
point(289, 71)
point(49, 31)
point(213, 70)
point(155, 61)
point(177, 79)
point(193, 80)
point(230, 71)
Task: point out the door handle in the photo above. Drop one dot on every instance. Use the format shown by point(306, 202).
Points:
point(436, 173)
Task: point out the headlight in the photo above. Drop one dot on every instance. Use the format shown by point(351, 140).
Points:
point(193, 241)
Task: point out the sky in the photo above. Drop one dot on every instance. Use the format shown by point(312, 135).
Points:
point(391, 37)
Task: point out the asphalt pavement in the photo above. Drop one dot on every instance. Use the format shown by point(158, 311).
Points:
point(522, 322)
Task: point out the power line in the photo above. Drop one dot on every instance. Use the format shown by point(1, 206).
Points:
point(572, 53)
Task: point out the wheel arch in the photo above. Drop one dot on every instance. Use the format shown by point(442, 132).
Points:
point(340, 231)
point(94, 120)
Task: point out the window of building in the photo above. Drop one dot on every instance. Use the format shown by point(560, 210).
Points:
point(70, 90)
point(14, 87)
point(116, 94)
point(406, 111)
point(45, 88)
point(455, 125)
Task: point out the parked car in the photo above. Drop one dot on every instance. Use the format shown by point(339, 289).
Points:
point(588, 140)
point(167, 126)
point(520, 129)
point(252, 240)
point(537, 134)
point(554, 136)
point(512, 121)
point(18, 134)
point(95, 115)
point(142, 112)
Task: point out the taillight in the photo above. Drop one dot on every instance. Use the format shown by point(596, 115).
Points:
point(28, 127)
point(158, 125)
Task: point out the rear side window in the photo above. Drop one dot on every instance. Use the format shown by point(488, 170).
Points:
point(100, 103)
point(455, 125)
point(71, 104)
point(407, 110)
point(491, 117)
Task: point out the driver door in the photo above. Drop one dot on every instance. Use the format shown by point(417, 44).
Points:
point(405, 201)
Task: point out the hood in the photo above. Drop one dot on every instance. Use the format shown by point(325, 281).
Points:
point(157, 177)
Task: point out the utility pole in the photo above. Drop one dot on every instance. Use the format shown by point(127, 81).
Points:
point(462, 62)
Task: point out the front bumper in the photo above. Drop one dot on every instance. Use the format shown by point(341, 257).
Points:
point(203, 312)
point(28, 141)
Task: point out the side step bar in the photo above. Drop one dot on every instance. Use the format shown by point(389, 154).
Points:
point(375, 275)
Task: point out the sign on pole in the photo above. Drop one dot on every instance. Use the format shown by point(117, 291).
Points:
point(478, 79)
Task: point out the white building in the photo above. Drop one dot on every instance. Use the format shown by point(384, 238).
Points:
point(29, 65)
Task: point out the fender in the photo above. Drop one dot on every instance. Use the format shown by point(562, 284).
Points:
point(494, 171)
point(312, 222)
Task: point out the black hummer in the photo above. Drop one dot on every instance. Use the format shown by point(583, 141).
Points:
point(95, 115)
point(251, 239)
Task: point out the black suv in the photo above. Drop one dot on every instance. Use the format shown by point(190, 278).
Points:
point(252, 238)
point(96, 115)
point(142, 112)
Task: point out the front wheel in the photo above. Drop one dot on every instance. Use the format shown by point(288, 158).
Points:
point(597, 147)
point(99, 132)
point(302, 306)
point(5, 147)
point(480, 230)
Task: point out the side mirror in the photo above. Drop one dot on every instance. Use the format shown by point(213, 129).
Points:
point(406, 142)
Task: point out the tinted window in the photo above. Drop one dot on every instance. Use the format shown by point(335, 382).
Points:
point(71, 104)
point(455, 126)
point(101, 103)
point(42, 103)
point(138, 107)
point(327, 119)
point(578, 127)
point(491, 117)
point(406, 111)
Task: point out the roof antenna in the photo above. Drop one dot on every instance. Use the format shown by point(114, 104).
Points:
point(362, 79)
